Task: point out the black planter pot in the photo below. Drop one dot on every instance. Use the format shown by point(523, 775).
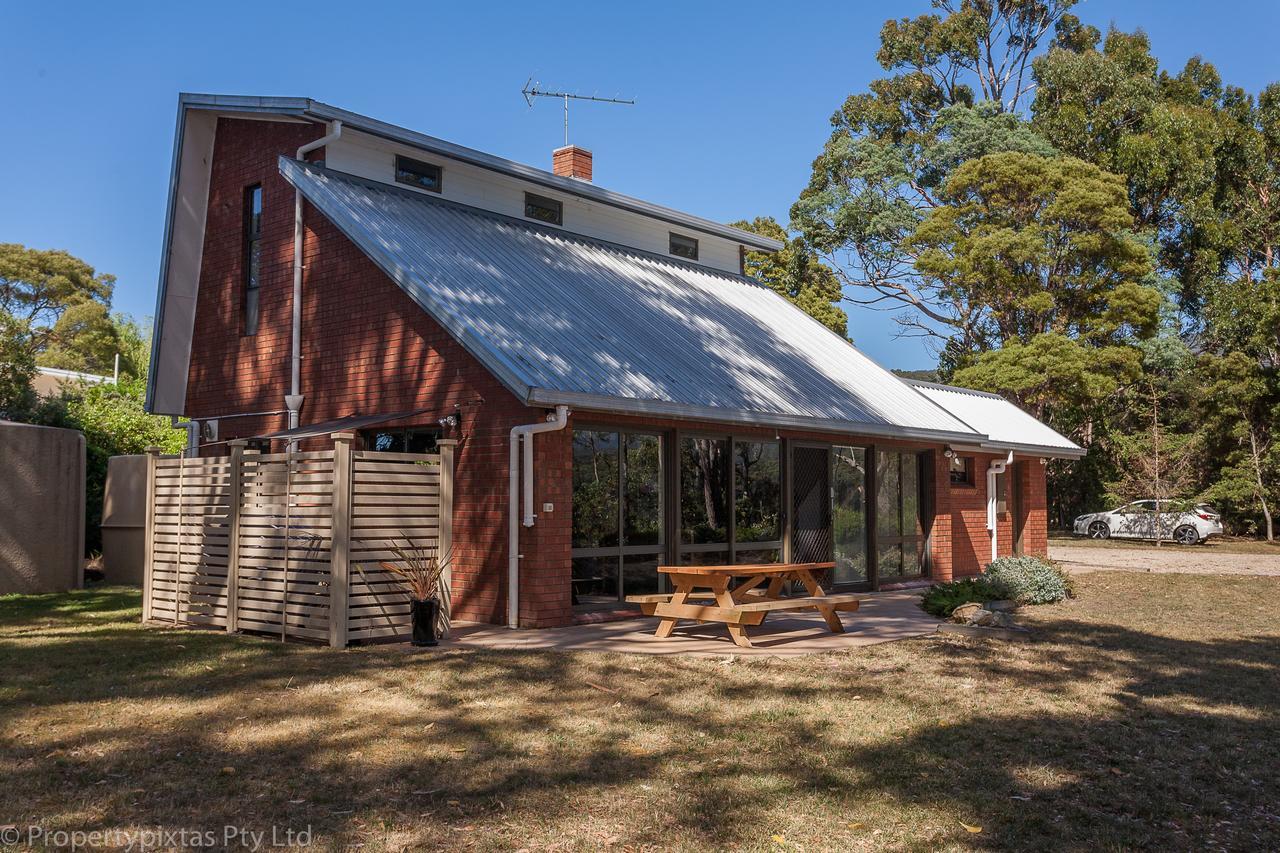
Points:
point(425, 614)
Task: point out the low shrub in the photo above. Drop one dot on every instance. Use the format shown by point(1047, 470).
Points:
point(1028, 580)
point(944, 598)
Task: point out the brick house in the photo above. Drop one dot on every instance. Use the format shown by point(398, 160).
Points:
point(680, 412)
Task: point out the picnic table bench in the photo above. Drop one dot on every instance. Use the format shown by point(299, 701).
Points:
point(703, 593)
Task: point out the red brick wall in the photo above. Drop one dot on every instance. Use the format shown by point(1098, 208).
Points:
point(367, 348)
point(1033, 507)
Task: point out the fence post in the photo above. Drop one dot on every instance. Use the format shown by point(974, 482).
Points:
point(447, 448)
point(236, 479)
point(149, 533)
point(340, 541)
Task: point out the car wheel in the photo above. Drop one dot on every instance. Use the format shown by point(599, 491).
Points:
point(1099, 530)
point(1186, 535)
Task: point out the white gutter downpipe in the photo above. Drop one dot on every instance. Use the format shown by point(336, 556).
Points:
point(293, 402)
point(523, 435)
point(998, 466)
point(193, 435)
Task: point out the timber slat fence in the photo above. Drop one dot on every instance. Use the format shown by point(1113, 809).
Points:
point(288, 544)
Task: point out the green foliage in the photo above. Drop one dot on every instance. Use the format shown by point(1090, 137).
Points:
point(1037, 245)
point(1027, 580)
point(942, 599)
point(796, 273)
point(114, 423)
point(17, 366)
point(57, 303)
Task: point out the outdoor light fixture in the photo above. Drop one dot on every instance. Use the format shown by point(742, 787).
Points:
point(1044, 461)
point(448, 421)
point(948, 452)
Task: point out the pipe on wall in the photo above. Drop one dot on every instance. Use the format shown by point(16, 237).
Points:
point(293, 402)
point(522, 436)
point(998, 466)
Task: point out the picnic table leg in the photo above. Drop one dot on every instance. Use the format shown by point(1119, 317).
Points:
point(725, 599)
point(828, 613)
point(681, 595)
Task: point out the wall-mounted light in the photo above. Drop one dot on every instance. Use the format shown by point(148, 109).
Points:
point(1044, 461)
point(948, 452)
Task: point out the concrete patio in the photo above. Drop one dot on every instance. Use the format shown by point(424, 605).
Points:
point(882, 617)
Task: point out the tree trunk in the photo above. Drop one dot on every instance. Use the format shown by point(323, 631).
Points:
point(1255, 456)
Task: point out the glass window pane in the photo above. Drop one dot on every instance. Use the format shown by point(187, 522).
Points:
point(595, 580)
point(758, 488)
point(849, 519)
point(642, 506)
point(910, 494)
point(704, 490)
point(890, 562)
point(595, 489)
point(761, 557)
point(704, 558)
point(640, 574)
point(421, 440)
point(888, 494)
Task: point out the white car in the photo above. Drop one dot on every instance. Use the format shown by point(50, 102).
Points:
point(1138, 520)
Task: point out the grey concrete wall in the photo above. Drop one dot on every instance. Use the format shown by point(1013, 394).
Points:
point(42, 486)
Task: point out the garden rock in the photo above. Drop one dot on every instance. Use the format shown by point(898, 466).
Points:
point(1004, 606)
point(965, 612)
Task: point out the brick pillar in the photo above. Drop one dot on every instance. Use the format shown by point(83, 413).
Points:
point(546, 570)
point(940, 529)
point(1033, 507)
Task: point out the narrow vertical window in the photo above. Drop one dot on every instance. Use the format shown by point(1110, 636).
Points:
point(253, 256)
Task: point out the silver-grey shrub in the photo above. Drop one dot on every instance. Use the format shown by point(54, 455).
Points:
point(1028, 580)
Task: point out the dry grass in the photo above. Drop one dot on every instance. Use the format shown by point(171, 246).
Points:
point(1144, 715)
point(1216, 545)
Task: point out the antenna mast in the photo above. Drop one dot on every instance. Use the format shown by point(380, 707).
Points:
point(531, 91)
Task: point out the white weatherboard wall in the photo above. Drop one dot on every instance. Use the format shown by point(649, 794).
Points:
point(373, 158)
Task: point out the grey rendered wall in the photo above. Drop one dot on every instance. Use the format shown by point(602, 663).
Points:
point(124, 519)
point(41, 508)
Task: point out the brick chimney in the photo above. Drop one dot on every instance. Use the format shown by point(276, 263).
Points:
point(572, 162)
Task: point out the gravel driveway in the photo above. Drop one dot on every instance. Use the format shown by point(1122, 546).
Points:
point(1201, 560)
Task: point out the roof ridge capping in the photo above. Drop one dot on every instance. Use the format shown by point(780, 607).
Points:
point(921, 383)
point(317, 110)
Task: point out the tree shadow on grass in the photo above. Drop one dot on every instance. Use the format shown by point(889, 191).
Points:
point(105, 725)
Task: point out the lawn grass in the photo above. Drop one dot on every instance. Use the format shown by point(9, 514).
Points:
point(1144, 715)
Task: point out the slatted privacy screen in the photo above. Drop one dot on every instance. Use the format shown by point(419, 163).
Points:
point(289, 544)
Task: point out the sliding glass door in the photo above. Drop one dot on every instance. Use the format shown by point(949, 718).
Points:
point(849, 514)
point(617, 515)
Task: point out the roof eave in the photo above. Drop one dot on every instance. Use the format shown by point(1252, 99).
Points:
point(1038, 449)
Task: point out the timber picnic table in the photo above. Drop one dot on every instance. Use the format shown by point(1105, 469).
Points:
point(703, 593)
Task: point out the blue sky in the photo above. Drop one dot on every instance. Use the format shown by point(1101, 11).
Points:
point(733, 98)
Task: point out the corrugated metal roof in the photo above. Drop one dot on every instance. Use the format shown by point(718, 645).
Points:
point(566, 319)
point(1005, 425)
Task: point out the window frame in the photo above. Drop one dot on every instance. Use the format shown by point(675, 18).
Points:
point(546, 202)
point(369, 436)
point(251, 279)
point(421, 167)
point(674, 238)
point(620, 552)
point(731, 546)
point(966, 480)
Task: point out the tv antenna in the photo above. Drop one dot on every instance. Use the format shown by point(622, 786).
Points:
point(531, 91)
